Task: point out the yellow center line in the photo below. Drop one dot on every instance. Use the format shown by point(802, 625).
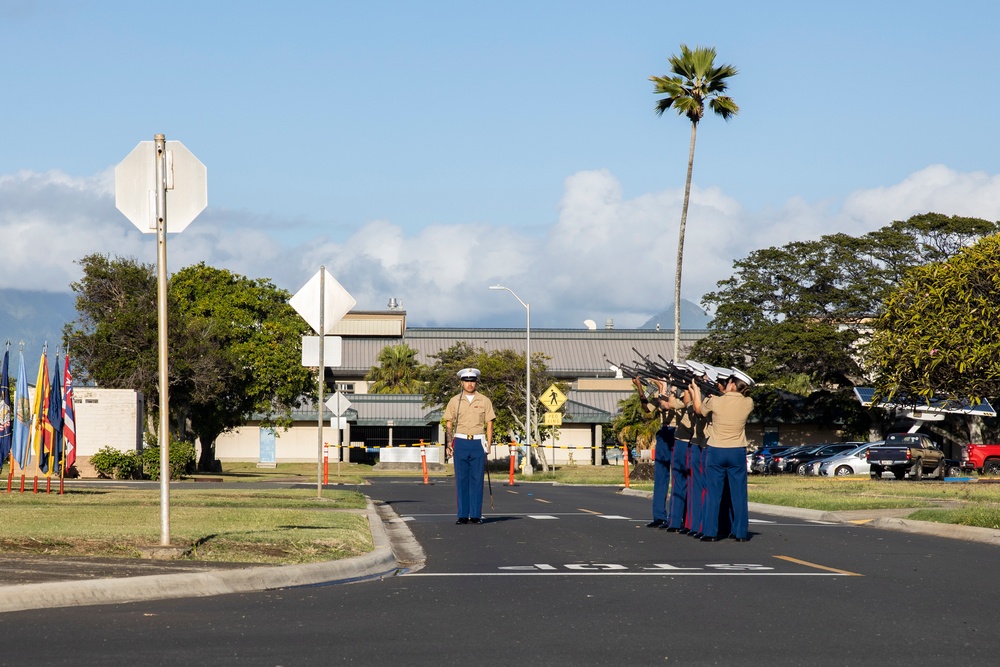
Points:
point(548, 502)
point(819, 567)
point(580, 509)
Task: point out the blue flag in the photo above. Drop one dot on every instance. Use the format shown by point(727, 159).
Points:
point(6, 411)
point(55, 425)
point(22, 419)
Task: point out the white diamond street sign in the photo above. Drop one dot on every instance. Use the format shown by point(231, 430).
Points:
point(337, 302)
point(338, 404)
point(186, 185)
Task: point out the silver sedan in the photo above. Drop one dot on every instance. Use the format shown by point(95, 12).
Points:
point(851, 462)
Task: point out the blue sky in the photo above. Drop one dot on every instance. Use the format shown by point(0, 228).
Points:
point(427, 150)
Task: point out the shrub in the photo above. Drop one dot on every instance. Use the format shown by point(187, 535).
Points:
point(113, 464)
point(182, 460)
point(105, 461)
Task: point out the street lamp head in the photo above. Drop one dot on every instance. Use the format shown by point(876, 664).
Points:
point(497, 287)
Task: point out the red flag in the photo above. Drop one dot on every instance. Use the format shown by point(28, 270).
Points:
point(69, 417)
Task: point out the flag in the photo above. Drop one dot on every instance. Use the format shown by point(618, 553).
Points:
point(6, 411)
point(53, 427)
point(69, 418)
point(22, 419)
point(39, 408)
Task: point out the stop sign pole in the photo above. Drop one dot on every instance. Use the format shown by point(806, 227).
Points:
point(162, 331)
point(141, 194)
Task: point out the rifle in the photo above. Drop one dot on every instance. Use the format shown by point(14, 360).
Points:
point(678, 375)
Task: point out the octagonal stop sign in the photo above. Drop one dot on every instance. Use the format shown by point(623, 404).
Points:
point(135, 186)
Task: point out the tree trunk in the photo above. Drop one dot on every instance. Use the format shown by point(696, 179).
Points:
point(976, 429)
point(680, 247)
point(206, 460)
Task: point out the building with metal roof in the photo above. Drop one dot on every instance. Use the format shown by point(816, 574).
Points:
point(585, 358)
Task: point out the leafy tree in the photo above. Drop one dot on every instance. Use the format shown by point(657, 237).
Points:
point(503, 376)
point(232, 347)
point(795, 317)
point(251, 339)
point(694, 80)
point(634, 427)
point(397, 371)
point(114, 340)
point(801, 307)
point(937, 336)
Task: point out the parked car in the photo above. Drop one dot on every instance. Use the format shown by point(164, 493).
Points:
point(762, 458)
point(915, 455)
point(787, 461)
point(851, 462)
point(804, 461)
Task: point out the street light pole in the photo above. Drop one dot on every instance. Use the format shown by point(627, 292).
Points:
point(527, 469)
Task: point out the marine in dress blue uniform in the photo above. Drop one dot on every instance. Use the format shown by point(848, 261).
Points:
point(469, 428)
point(662, 454)
point(680, 465)
point(726, 456)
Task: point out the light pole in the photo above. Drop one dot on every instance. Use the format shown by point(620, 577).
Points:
point(527, 470)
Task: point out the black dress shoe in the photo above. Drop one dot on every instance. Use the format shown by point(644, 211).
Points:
point(683, 531)
point(476, 520)
point(709, 538)
point(742, 539)
point(656, 523)
point(695, 535)
point(669, 529)
point(461, 521)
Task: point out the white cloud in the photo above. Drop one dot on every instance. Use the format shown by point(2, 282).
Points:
point(604, 256)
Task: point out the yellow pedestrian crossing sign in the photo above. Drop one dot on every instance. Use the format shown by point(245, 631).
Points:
point(552, 398)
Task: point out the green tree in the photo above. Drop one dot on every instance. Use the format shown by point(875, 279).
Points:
point(633, 426)
point(937, 337)
point(114, 340)
point(397, 371)
point(252, 336)
point(694, 80)
point(503, 377)
point(233, 345)
point(800, 308)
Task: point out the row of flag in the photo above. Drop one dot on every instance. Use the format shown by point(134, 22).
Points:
point(43, 430)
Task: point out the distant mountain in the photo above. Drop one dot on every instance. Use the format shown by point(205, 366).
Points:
point(692, 317)
point(35, 317)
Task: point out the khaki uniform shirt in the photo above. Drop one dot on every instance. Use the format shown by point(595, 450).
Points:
point(729, 414)
point(472, 417)
point(684, 419)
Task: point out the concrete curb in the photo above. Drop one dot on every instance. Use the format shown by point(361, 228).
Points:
point(379, 563)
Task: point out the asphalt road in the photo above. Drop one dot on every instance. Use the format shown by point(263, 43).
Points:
point(567, 576)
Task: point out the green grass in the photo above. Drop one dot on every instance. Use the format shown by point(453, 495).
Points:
point(255, 526)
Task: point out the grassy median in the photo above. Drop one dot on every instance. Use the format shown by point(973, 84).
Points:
point(248, 526)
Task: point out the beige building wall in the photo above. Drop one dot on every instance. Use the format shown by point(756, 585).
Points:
point(297, 444)
point(107, 418)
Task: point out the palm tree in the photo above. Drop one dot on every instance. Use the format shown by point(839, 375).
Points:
point(397, 372)
point(694, 80)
